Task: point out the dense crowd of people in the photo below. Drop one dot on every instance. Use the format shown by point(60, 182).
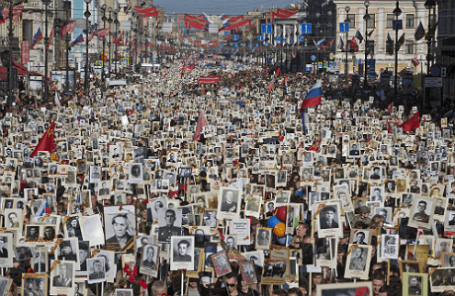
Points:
point(172, 187)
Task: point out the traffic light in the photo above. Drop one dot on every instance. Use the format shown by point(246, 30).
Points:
point(306, 42)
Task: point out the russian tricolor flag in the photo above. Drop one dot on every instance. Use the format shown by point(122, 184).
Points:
point(79, 39)
point(37, 37)
point(313, 98)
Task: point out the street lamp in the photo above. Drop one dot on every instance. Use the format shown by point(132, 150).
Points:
point(397, 13)
point(87, 15)
point(116, 22)
point(109, 20)
point(366, 18)
point(103, 10)
point(46, 41)
point(429, 4)
point(347, 8)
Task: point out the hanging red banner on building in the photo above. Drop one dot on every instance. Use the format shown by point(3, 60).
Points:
point(25, 54)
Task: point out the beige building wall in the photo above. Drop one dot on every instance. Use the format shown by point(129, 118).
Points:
point(381, 9)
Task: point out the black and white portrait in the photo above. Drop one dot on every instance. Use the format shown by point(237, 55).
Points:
point(263, 238)
point(120, 228)
point(421, 212)
point(354, 150)
point(182, 252)
point(229, 202)
point(96, 270)
point(135, 173)
point(62, 277)
point(390, 244)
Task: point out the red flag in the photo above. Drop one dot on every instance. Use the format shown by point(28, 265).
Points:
point(315, 146)
point(68, 28)
point(389, 128)
point(50, 39)
point(91, 36)
point(390, 108)
point(271, 85)
point(353, 44)
point(47, 141)
point(209, 79)
point(278, 71)
point(201, 122)
point(331, 41)
point(412, 123)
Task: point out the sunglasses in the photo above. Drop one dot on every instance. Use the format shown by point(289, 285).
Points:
point(231, 285)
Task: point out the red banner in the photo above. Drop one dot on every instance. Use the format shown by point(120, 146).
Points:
point(209, 79)
point(68, 28)
point(25, 54)
point(103, 33)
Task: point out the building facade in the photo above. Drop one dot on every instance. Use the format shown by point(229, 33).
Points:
point(380, 25)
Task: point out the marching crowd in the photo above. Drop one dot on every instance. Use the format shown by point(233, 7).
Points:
point(168, 186)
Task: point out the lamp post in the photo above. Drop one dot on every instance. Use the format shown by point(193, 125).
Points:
point(103, 18)
point(397, 13)
point(116, 22)
point(87, 15)
point(429, 4)
point(366, 18)
point(46, 41)
point(347, 8)
point(109, 20)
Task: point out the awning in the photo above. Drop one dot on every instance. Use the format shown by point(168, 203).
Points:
point(21, 69)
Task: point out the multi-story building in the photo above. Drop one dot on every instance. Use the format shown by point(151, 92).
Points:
point(380, 25)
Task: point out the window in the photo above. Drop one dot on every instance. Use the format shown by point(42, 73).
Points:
point(390, 19)
point(409, 21)
point(370, 47)
point(409, 47)
point(372, 21)
point(351, 18)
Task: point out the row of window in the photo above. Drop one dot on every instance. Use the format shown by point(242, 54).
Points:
point(409, 20)
point(408, 46)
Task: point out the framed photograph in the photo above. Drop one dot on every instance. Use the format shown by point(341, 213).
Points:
point(263, 238)
point(256, 257)
point(182, 253)
point(358, 262)
point(441, 279)
point(68, 250)
point(229, 203)
point(274, 272)
point(448, 259)
point(440, 208)
point(62, 275)
point(84, 254)
point(124, 292)
point(385, 212)
point(24, 253)
point(345, 197)
point(328, 219)
point(231, 241)
point(80, 288)
point(422, 212)
point(92, 229)
point(150, 260)
point(390, 245)
point(120, 228)
point(169, 222)
point(6, 249)
point(248, 273)
point(360, 237)
point(13, 218)
point(443, 245)
point(283, 197)
point(415, 284)
point(221, 264)
point(96, 270)
point(33, 284)
point(109, 266)
point(409, 266)
point(253, 206)
point(358, 288)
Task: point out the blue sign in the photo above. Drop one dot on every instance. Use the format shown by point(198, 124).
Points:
point(257, 44)
point(372, 67)
point(313, 58)
point(284, 40)
point(266, 28)
point(260, 38)
point(305, 28)
point(292, 41)
point(344, 27)
point(277, 38)
point(397, 25)
point(301, 39)
point(236, 45)
point(221, 44)
point(308, 68)
point(250, 44)
point(235, 37)
point(154, 60)
point(266, 43)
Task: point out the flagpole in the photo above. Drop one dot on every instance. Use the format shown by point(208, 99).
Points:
point(46, 40)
